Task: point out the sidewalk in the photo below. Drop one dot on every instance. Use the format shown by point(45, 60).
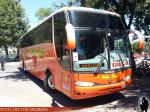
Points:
point(12, 63)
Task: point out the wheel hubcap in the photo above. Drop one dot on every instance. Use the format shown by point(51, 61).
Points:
point(50, 82)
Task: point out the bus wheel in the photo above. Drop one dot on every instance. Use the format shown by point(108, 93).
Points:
point(49, 82)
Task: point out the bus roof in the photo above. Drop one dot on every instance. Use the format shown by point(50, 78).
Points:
point(86, 9)
point(90, 10)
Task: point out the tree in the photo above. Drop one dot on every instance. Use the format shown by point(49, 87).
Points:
point(142, 16)
point(133, 12)
point(43, 12)
point(12, 23)
point(67, 3)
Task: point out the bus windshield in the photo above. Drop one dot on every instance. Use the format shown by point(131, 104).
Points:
point(101, 41)
point(110, 50)
point(95, 20)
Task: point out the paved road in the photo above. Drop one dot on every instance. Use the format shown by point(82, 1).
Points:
point(18, 89)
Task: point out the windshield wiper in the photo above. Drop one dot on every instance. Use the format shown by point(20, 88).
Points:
point(103, 56)
point(120, 59)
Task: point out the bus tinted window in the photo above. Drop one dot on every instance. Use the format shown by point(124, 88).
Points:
point(27, 40)
point(114, 22)
point(61, 40)
point(87, 19)
point(41, 34)
point(95, 20)
point(44, 32)
point(89, 44)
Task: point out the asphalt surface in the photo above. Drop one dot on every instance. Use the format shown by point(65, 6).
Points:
point(19, 89)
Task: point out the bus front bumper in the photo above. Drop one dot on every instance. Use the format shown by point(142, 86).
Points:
point(89, 92)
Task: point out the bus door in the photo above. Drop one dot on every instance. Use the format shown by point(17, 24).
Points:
point(60, 39)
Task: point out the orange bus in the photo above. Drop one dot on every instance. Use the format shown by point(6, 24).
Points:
point(81, 52)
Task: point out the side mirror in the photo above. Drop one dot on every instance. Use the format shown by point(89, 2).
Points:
point(139, 38)
point(71, 40)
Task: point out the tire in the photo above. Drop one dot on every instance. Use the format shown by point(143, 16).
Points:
point(49, 82)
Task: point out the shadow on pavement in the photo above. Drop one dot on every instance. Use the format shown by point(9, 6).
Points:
point(16, 76)
point(67, 102)
point(139, 88)
point(59, 98)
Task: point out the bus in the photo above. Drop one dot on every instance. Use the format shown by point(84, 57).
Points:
point(81, 52)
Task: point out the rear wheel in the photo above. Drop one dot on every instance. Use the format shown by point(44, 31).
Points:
point(49, 82)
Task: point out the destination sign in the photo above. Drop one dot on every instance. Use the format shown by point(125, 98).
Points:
point(117, 63)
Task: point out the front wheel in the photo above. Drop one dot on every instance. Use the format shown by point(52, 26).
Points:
point(49, 82)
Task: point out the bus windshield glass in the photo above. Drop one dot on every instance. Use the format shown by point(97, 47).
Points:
point(101, 41)
point(97, 48)
point(95, 20)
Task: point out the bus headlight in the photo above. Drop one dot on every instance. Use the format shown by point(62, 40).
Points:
point(84, 84)
point(127, 77)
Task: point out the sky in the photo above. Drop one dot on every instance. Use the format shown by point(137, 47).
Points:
point(31, 7)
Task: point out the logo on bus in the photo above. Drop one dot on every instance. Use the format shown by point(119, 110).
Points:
point(108, 76)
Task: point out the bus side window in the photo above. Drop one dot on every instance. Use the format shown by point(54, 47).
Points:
point(61, 40)
point(27, 41)
point(44, 32)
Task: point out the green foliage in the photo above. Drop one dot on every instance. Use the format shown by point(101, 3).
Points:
point(133, 12)
point(142, 16)
point(43, 12)
point(12, 22)
point(67, 3)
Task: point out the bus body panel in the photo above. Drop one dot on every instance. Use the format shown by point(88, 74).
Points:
point(40, 58)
